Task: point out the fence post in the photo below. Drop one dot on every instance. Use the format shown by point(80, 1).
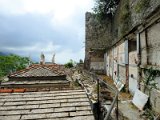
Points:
point(117, 112)
point(98, 111)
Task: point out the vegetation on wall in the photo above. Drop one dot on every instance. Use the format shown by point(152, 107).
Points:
point(141, 5)
point(149, 81)
point(125, 17)
point(11, 63)
point(149, 84)
point(104, 8)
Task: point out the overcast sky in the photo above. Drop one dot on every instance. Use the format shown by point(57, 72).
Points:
point(29, 27)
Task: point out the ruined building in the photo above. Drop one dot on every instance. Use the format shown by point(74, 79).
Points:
point(125, 45)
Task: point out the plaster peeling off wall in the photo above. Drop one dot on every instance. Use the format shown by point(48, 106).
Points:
point(121, 52)
point(150, 57)
point(97, 38)
point(154, 44)
point(97, 65)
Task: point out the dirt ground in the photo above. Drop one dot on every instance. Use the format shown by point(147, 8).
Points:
point(123, 96)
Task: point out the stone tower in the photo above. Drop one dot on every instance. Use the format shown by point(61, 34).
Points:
point(42, 61)
point(53, 58)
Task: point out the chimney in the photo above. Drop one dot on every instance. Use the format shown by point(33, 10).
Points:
point(42, 61)
point(53, 58)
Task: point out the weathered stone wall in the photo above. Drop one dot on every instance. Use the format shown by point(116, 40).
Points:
point(150, 57)
point(130, 14)
point(141, 9)
point(131, 17)
point(105, 34)
point(155, 100)
point(98, 35)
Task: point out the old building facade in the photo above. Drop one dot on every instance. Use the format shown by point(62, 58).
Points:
point(131, 46)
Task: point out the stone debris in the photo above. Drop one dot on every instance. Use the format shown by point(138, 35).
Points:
point(88, 83)
point(48, 105)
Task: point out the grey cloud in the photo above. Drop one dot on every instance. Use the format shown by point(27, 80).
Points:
point(28, 30)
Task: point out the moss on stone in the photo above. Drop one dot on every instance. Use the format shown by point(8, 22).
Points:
point(141, 5)
point(125, 18)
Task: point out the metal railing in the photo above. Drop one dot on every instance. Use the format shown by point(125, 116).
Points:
point(113, 90)
point(115, 101)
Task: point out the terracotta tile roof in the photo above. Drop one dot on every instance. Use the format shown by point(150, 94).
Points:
point(51, 105)
point(37, 70)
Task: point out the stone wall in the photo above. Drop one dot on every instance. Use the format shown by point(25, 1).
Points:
point(129, 15)
point(98, 35)
point(106, 33)
point(142, 9)
point(150, 57)
point(132, 17)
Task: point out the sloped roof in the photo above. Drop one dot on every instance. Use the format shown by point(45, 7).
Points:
point(51, 105)
point(38, 70)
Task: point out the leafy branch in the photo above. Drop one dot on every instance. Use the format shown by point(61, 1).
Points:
point(11, 63)
point(103, 8)
point(149, 80)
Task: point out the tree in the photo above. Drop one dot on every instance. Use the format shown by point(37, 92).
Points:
point(11, 63)
point(70, 64)
point(81, 61)
point(103, 8)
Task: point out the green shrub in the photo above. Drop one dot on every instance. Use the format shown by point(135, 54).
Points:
point(70, 64)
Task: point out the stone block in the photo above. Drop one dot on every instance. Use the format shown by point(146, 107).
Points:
point(14, 117)
point(49, 105)
point(78, 100)
point(48, 110)
point(56, 115)
point(14, 112)
point(75, 104)
point(78, 113)
point(83, 108)
point(7, 107)
point(64, 109)
point(27, 107)
point(33, 116)
point(15, 103)
point(155, 100)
